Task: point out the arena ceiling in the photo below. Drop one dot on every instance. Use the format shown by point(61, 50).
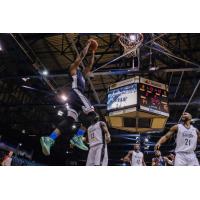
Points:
point(29, 101)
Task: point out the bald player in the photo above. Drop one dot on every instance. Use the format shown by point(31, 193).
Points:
point(187, 137)
point(135, 157)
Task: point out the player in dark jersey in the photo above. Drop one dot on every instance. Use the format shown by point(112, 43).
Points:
point(76, 103)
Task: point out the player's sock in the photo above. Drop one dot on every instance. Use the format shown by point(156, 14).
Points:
point(80, 132)
point(53, 135)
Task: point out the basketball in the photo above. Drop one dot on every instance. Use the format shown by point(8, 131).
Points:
point(93, 45)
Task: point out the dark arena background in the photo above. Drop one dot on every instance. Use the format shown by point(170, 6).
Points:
point(34, 74)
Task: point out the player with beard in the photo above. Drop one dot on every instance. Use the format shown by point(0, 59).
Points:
point(187, 137)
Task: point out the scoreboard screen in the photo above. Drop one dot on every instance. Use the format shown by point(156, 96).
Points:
point(122, 97)
point(153, 99)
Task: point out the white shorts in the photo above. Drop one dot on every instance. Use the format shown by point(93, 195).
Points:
point(186, 159)
point(98, 156)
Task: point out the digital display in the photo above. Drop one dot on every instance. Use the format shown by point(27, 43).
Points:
point(122, 97)
point(153, 99)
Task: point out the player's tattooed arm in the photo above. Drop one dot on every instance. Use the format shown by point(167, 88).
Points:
point(86, 139)
point(143, 162)
point(127, 157)
point(167, 136)
point(198, 134)
point(106, 132)
point(74, 66)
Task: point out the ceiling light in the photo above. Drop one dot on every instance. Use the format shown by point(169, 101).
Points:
point(45, 72)
point(25, 79)
point(146, 147)
point(63, 97)
point(60, 113)
point(73, 126)
point(152, 68)
point(133, 37)
point(67, 105)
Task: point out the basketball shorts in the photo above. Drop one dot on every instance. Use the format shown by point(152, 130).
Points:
point(186, 159)
point(77, 102)
point(98, 155)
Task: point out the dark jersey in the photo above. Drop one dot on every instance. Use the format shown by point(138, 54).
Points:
point(78, 81)
point(76, 98)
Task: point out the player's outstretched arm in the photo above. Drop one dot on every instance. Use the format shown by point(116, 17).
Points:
point(74, 66)
point(167, 136)
point(90, 65)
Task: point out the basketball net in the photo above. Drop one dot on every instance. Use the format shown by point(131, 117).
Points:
point(129, 44)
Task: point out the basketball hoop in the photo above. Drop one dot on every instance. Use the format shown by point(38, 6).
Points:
point(130, 43)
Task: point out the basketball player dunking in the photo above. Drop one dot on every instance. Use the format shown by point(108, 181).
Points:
point(135, 157)
point(186, 141)
point(77, 102)
point(98, 137)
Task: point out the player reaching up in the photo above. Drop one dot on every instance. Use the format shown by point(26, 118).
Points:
point(77, 102)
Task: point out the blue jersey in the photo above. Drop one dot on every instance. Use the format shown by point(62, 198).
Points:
point(159, 161)
point(78, 81)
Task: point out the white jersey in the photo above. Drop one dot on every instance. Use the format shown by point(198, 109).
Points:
point(137, 158)
point(186, 140)
point(95, 134)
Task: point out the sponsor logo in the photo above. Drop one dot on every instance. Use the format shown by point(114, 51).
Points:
point(153, 83)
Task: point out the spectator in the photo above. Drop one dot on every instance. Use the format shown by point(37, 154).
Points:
point(7, 159)
point(158, 160)
point(170, 159)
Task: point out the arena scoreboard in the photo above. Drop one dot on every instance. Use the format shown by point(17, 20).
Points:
point(137, 105)
point(145, 94)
